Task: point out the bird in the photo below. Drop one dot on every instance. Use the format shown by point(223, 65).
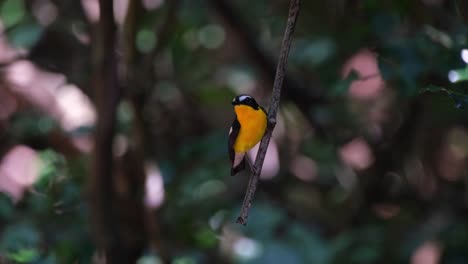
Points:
point(246, 131)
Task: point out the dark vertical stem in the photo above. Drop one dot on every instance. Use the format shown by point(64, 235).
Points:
point(294, 8)
point(107, 95)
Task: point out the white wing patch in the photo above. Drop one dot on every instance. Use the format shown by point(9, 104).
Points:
point(238, 157)
point(243, 97)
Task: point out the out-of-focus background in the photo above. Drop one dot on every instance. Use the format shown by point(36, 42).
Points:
point(114, 118)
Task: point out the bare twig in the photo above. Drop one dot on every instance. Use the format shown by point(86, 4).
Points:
point(274, 105)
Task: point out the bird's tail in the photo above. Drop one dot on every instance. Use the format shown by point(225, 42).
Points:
point(236, 168)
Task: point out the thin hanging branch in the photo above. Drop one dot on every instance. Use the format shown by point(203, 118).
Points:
point(294, 8)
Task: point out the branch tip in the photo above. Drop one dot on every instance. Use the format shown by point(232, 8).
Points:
point(241, 221)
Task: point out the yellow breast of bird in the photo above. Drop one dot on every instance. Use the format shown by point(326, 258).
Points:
point(252, 127)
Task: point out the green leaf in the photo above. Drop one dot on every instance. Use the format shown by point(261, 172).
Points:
point(124, 117)
point(19, 236)
point(145, 40)
point(459, 75)
point(263, 220)
point(51, 163)
point(206, 238)
point(25, 255)
point(25, 36)
point(6, 207)
point(276, 252)
point(12, 12)
point(313, 52)
point(342, 86)
point(184, 260)
point(149, 259)
point(310, 244)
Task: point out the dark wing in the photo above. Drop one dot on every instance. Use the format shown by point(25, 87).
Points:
point(235, 128)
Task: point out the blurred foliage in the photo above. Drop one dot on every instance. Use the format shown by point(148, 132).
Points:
point(49, 224)
point(182, 110)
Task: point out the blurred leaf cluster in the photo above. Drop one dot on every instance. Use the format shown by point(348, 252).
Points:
point(369, 156)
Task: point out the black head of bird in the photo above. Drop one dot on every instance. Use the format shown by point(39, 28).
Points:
point(245, 100)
